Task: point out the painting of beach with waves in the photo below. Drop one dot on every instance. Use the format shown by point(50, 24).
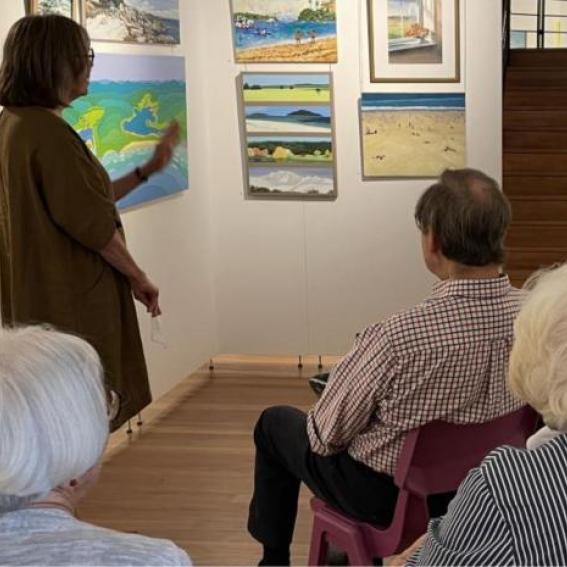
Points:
point(412, 135)
point(131, 101)
point(279, 31)
point(287, 133)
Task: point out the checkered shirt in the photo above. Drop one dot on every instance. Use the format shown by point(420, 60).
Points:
point(445, 359)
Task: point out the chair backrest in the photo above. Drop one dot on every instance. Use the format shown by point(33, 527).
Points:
point(437, 456)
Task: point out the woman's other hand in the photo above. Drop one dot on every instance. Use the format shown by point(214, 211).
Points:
point(164, 150)
point(147, 293)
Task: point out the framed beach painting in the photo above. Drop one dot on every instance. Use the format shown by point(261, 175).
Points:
point(133, 21)
point(412, 135)
point(131, 101)
point(68, 8)
point(414, 41)
point(288, 135)
point(281, 31)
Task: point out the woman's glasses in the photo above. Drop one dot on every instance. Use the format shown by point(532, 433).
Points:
point(91, 56)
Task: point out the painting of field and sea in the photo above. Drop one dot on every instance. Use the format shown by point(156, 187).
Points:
point(131, 101)
point(286, 88)
point(283, 119)
point(133, 21)
point(278, 31)
point(287, 135)
point(414, 31)
point(61, 7)
point(412, 135)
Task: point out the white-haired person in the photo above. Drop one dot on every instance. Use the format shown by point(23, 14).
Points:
point(54, 426)
point(512, 510)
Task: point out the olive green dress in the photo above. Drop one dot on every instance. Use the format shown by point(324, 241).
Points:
point(56, 213)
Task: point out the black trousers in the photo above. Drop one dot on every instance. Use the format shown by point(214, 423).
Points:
point(284, 459)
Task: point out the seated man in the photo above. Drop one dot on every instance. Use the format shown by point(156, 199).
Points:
point(444, 359)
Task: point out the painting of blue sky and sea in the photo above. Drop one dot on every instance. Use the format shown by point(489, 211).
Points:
point(131, 101)
point(412, 135)
point(133, 21)
point(279, 31)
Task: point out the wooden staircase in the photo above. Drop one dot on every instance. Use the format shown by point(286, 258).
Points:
point(535, 159)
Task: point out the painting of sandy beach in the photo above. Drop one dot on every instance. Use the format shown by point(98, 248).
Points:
point(280, 31)
point(412, 135)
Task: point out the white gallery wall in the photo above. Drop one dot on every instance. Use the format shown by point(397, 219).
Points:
point(304, 277)
point(281, 277)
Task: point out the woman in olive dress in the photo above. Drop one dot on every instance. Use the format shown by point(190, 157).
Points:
point(63, 255)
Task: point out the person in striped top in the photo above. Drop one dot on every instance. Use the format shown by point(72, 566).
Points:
point(445, 358)
point(512, 509)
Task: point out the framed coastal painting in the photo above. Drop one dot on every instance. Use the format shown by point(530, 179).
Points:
point(68, 8)
point(131, 101)
point(280, 31)
point(288, 135)
point(412, 135)
point(414, 41)
point(133, 21)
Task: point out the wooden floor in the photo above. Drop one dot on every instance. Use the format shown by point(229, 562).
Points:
point(187, 476)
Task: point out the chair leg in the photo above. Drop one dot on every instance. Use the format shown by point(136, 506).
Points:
point(319, 546)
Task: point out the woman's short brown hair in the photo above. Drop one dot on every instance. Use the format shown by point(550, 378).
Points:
point(43, 57)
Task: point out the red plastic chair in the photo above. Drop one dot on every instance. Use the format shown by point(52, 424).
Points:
point(435, 459)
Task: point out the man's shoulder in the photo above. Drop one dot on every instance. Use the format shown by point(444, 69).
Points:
point(450, 317)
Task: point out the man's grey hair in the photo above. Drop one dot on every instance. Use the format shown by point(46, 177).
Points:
point(538, 361)
point(53, 412)
point(467, 215)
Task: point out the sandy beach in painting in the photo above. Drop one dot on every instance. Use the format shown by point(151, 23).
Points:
point(321, 51)
point(410, 143)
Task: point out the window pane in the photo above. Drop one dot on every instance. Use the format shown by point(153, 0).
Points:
point(524, 6)
point(523, 23)
point(554, 7)
point(518, 40)
point(555, 40)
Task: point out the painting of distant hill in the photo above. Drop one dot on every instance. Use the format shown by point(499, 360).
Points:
point(60, 7)
point(294, 119)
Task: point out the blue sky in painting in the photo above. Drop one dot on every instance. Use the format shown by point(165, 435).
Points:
point(285, 79)
point(431, 101)
point(285, 110)
point(162, 8)
point(114, 67)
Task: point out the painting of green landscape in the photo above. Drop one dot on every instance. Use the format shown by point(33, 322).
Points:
point(286, 88)
point(131, 101)
point(291, 150)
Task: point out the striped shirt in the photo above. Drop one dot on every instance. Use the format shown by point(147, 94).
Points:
point(443, 359)
point(512, 510)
